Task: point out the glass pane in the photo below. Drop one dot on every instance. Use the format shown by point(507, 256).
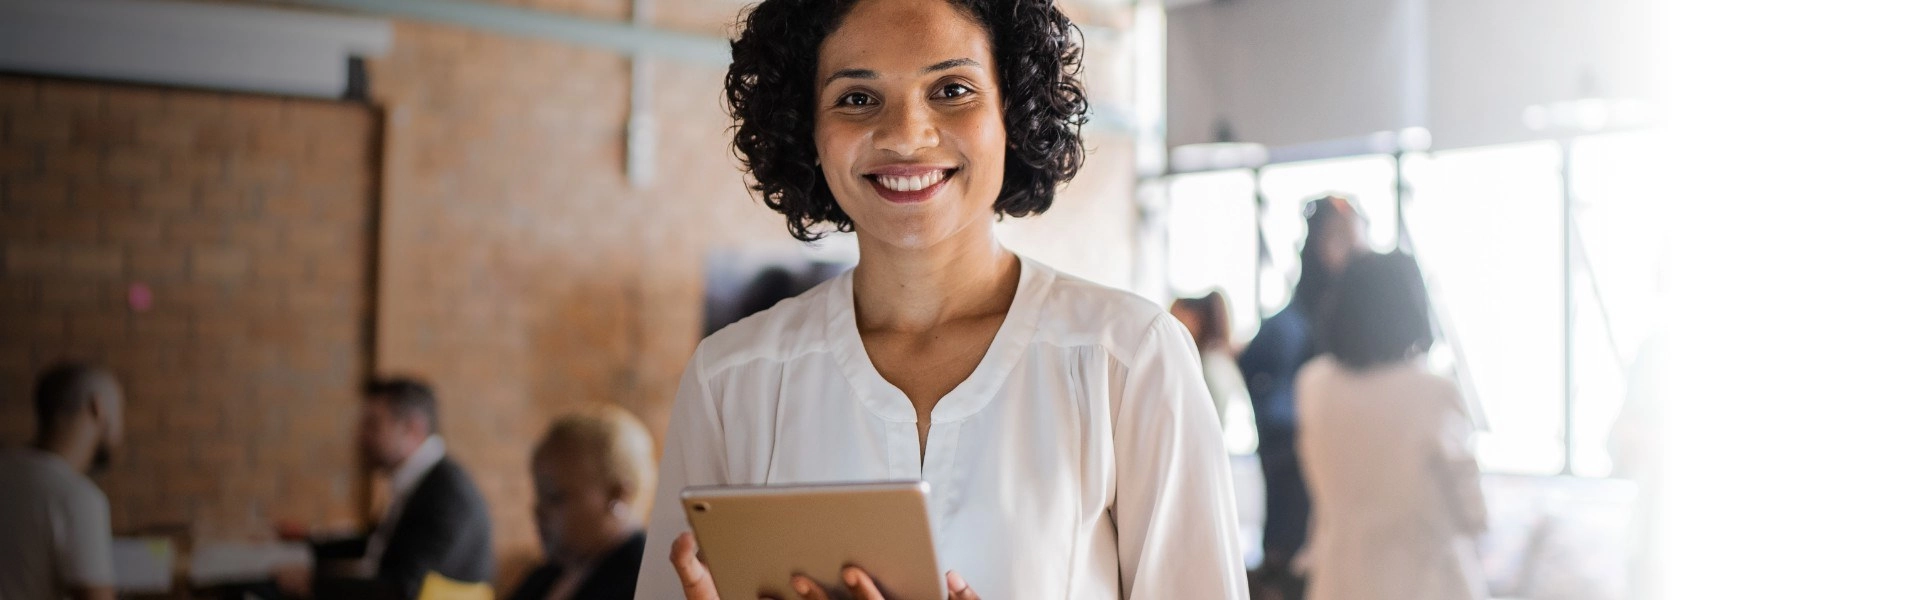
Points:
point(1486, 225)
point(1619, 219)
point(1210, 240)
point(1368, 180)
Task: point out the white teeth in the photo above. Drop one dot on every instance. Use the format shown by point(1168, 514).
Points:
point(911, 184)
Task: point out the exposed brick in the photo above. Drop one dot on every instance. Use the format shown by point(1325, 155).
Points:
point(18, 93)
point(58, 296)
point(73, 162)
point(306, 238)
point(102, 262)
point(255, 169)
point(226, 326)
point(18, 159)
point(143, 233)
point(103, 130)
point(339, 273)
point(280, 142)
point(196, 107)
point(36, 194)
point(256, 112)
point(226, 201)
point(69, 96)
point(95, 196)
point(94, 326)
point(67, 227)
point(169, 198)
point(162, 328)
point(213, 263)
point(197, 168)
point(161, 266)
point(292, 207)
point(39, 129)
point(171, 135)
point(279, 266)
point(33, 259)
point(219, 136)
point(195, 230)
point(131, 164)
point(257, 237)
point(135, 101)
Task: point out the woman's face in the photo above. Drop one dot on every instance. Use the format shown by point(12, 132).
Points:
point(907, 121)
point(573, 506)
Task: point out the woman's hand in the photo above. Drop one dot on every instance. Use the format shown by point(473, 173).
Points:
point(695, 581)
point(697, 584)
point(864, 588)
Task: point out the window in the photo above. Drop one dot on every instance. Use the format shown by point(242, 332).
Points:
point(1367, 180)
point(1210, 241)
point(1486, 225)
point(1541, 317)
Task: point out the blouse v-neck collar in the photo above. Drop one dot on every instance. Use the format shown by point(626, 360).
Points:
point(887, 402)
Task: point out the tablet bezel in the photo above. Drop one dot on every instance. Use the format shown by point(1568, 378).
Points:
point(883, 527)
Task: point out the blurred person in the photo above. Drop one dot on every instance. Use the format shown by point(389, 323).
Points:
point(1384, 445)
point(1206, 318)
point(593, 475)
point(1270, 363)
point(55, 538)
point(1064, 427)
point(435, 518)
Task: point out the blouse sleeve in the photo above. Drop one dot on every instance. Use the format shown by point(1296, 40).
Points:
point(1173, 503)
point(694, 455)
point(1456, 467)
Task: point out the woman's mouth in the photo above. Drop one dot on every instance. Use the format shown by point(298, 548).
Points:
point(908, 186)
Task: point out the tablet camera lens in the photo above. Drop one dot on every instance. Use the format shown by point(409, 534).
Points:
point(700, 507)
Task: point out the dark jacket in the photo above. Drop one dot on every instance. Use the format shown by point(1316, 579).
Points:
point(442, 528)
point(613, 579)
point(1269, 363)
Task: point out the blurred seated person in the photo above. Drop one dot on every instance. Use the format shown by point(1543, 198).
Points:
point(55, 539)
point(593, 475)
point(435, 519)
point(1384, 446)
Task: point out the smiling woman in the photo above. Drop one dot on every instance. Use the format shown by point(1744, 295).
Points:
point(1064, 428)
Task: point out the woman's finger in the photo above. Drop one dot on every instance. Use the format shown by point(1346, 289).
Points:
point(808, 589)
point(862, 586)
point(957, 588)
point(695, 582)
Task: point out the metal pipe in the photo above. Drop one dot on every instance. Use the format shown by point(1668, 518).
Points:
point(626, 38)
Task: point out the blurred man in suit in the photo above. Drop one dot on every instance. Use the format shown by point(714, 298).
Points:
point(436, 520)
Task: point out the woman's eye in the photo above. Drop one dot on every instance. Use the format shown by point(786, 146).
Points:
point(954, 90)
point(857, 99)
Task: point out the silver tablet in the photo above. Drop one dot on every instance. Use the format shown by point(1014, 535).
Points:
point(754, 539)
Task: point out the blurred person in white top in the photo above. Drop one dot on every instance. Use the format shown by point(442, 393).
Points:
point(1064, 427)
point(1384, 445)
point(55, 538)
point(1205, 317)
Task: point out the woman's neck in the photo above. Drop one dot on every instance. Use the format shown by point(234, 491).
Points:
point(915, 290)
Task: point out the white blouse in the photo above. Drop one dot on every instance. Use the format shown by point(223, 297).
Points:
point(1080, 459)
point(1396, 490)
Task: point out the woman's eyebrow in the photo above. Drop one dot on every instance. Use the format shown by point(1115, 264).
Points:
point(871, 74)
point(951, 63)
point(851, 74)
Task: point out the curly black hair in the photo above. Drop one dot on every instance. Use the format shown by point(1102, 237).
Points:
point(770, 95)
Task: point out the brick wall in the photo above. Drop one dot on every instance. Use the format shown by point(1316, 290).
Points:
point(520, 271)
point(247, 219)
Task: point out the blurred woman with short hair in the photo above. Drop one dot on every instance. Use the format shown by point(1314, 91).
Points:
point(1384, 445)
point(593, 476)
